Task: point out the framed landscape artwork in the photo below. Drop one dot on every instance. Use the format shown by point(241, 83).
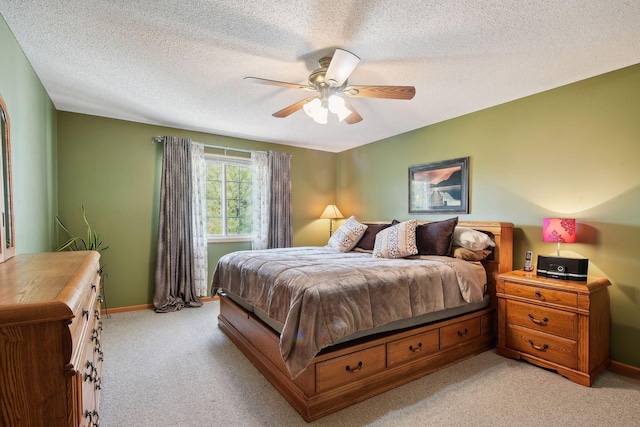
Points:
point(440, 187)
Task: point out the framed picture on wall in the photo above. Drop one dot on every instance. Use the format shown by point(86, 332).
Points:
point(439, 187)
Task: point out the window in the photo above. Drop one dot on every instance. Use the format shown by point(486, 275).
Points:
point(229, 214)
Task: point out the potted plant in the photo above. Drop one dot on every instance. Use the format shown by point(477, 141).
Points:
point(93, 242)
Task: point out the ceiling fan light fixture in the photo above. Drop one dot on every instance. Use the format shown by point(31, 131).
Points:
point(321, 116)
point(316, 111)
point(337, 106)
point(329, 80)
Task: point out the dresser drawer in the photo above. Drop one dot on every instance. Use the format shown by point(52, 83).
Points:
point(84, 311)
point(87, 376)
point(459, 332)
point(542, 295)
point(350, 368)
point(412, 347)
point(548, 347)
point(549, 320)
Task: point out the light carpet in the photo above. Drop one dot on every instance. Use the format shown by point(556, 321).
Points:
point(179, 369)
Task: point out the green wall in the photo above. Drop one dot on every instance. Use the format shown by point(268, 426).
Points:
point(113, 169)
point(572, 151)
point(33, 146)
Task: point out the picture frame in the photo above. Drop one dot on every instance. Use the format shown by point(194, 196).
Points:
point(439, 187)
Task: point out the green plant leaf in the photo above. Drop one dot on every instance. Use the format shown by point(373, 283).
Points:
point(61, 224)
point(76, 243)
point(69, 244)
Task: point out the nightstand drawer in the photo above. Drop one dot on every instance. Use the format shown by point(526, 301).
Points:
point(542, 295)
point(549, 320)
point(350, 368)
point(547, 347)
point(459, 332)
point(413, 347)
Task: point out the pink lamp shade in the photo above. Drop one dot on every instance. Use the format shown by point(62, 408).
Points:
point(559, 230)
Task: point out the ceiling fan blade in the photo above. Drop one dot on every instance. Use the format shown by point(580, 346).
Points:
point(277, 83)
point(354, 117)
point(387, 92)
point(292, 108)
point(340, 68)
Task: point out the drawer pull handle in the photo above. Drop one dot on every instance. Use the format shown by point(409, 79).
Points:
point(85, 313)
point(542, 322)
point(414, 349)
point(539, 295)
point(90, 416)
point(543, 347)
point(100, 299)
point(352, 370)
point(93, 287)
point(461, 334)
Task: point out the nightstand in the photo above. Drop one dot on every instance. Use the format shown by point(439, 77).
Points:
point(561, 325)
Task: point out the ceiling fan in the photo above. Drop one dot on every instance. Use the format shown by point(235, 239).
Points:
point(330, 81)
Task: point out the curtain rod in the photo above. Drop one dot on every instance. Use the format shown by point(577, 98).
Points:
point(156, 139)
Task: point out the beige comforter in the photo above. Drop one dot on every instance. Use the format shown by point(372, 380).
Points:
point(321, 295)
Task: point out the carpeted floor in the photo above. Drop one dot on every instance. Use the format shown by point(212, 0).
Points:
point(179, 369)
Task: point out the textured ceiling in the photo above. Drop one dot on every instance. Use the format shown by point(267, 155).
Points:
point(181, 64)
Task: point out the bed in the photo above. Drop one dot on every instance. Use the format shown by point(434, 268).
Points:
point(329, 329)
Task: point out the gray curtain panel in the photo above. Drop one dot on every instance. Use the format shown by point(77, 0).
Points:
point(280, 223)
point(175, 284)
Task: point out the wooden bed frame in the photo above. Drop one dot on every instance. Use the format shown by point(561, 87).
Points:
point(342, 375)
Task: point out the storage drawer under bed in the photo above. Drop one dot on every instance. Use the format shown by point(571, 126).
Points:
point(459, 332)
point(413, 347)
point(349, 368)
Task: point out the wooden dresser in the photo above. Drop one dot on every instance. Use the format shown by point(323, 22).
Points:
point(50, 330)
point(557, 324)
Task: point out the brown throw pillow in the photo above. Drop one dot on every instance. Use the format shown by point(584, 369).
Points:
point(368, 239)
point(469, 255)
point(435, 238)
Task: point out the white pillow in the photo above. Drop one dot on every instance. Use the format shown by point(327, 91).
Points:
point(346, 237)
point(471, 239)
point(397, 241)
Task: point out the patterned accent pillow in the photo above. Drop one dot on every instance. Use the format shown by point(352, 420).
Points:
point(398, 241)
point(346, 237)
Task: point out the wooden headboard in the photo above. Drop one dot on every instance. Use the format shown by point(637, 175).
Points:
point(502, 233)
